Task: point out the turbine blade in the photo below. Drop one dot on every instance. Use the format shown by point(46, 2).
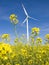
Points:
point(33, 18)
point(24, 21)
point(24, 10)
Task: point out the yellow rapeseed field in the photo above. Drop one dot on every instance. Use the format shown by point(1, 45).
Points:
point(22, 53)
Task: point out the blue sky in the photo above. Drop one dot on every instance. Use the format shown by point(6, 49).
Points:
point(38, 9)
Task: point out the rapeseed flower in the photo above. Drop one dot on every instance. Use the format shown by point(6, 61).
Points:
point(38, 40)
point(8, 63)
point(17, 64)
point(30, 62)
point(13, 19)
point(12, 16)
point(5, 36)
point(24, 52)
point(35, 30)
point(47, 36)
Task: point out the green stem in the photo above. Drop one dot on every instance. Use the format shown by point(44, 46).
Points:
point(15, 30)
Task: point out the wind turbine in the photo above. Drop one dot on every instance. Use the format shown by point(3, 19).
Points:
point(26, 20)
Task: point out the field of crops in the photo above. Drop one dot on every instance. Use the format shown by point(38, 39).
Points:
point(24, 54)
point(35, 51)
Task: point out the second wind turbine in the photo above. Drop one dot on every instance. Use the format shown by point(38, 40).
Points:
point(26, 20)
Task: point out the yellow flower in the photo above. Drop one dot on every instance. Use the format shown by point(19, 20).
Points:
point(39, 39)
point(24, 52)
point(5, 57)
point(12, 16)
point(13, 55)
point(47, 63)
point(5, 36)
point(35, 29)
point(47, 36)
point(43, 51)
point(0, 48)
point(8, 63)
point(30, 62)
point(3, 52)
point(40, 59)
point(13, 19)
point(17, 64)
point(7, 48)
point(4, 49)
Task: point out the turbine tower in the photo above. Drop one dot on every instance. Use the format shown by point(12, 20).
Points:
point(26, 20)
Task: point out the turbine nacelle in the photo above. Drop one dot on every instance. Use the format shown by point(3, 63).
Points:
point(28, 17)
